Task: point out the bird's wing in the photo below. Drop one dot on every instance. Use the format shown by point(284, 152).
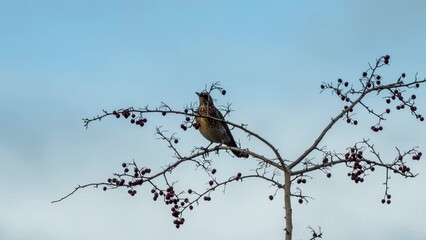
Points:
point(228, 131)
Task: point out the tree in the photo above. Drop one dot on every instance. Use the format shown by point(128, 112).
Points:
point(361, 158)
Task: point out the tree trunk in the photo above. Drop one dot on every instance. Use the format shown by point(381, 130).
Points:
point(287, 206)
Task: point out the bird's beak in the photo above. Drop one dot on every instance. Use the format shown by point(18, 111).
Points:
point(198, 94)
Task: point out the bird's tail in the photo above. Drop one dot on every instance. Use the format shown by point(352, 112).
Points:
point(233, 144)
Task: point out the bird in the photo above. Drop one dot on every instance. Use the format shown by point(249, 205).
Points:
point(213, 130)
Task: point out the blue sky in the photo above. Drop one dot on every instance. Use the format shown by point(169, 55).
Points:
point(61, 61)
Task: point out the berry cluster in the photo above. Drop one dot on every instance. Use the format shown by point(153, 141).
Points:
point(372, 82)
point(301, 180)
point(126, 113)
point(377, 128)
point(357, 173)
point(171, 198)
point(417, 156)
point(403, 102)
point(178, 201)
point(403, 168)
point(189, 122)
point(386, 199)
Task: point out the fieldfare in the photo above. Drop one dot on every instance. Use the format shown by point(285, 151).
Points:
point(213, 130)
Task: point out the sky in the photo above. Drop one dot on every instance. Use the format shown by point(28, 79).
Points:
point(61, 61)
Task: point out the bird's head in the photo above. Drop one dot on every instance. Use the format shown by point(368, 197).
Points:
point(205, 98)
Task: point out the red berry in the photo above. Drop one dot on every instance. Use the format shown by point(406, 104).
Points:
point(413, 96)
point(388, 101)
point(105, 188)
point(223, 92)
point(176, 141)
point(364, 74)
point(403, 75)
point(213, 170)
point(329, 175)
point(322, 86)
point(211, 182)
point(387, 110)
point(383, 201)
point(300, 200)
point(271, 197)
point(355, 122)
